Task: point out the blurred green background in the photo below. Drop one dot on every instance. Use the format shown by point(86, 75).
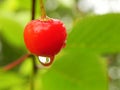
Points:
point(91, 59)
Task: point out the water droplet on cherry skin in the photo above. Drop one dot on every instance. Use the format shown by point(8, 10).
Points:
point(46, 61)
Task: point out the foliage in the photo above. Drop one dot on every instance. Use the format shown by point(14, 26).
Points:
point(79, 66)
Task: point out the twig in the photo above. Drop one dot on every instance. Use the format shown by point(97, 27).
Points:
point(32, 82)
point(33, 10)
point(15, 63)
point(34, 71)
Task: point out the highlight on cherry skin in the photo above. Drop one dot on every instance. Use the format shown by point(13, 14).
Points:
point(45, 38)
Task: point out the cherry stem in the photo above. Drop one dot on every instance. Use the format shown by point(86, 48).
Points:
point(42, 8)
point(15, 63)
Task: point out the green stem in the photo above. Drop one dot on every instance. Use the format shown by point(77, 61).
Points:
point(42, 8)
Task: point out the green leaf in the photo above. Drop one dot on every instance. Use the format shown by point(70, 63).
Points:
point(12, 31)
point(76, 70)
point(80, 66)
point(9, 80)
point(11, 40)
point(26, 67)
point(98, 33)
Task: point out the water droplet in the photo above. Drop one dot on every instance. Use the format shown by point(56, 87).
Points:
point(46, 61)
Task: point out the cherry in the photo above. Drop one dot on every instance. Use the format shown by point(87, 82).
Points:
point(45, 37)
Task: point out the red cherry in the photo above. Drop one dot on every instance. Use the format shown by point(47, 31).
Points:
point(45, 37)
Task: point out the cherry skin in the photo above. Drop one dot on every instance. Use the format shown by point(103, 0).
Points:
point(45, 37)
